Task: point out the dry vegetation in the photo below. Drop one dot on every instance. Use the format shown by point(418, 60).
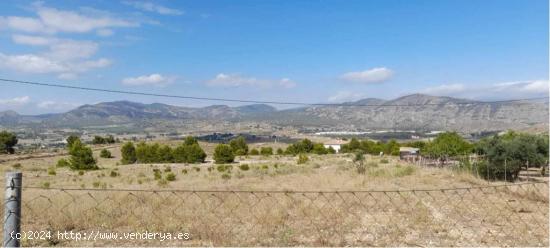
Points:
point(513, 215)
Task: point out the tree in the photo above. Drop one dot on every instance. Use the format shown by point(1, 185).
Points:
point(190, 140)
point(81, 157)
point(319, 149)
point(71, 139)
point(266, 151)
point(239, 146)
point(105, 153)
point(98, 140)
point(223, 154)
point(331, 150)
point(128, 151)
point(447, 145)
point(280, 151)
point(7, 142)
point(164, 154)
point(195, 154)
point(110, 139)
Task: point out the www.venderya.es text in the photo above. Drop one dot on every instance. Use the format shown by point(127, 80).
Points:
point(98, 235)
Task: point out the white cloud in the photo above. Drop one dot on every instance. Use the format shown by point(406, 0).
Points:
point(51, 20)
point(153, 79)
point(56, 106)
point(32, 40)
point(445, 89)
point(152, 7)
point(236, 80)
point(346, 96)
point(374, 75)
point(517, 89)
point(17, 101)
point(31, 63)
point(104, 32)
point(287, 83)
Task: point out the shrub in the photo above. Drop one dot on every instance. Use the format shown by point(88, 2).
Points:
point(220, 168)
point(195, 154)
point(280, 151)
point(156, 173)
point(197, 169)
point(359, 161)
point(384, 161)
point(96, 184)
point(105, 153)
point(302, 159)
point(404, 171)
point(62, 163)
point(223, 154)
point(162, 182)
point(7, 142)
point(167, 169)
point(51, 171)
point(71, 139)
point(244, 167)
point(46, 185)
point(190, 140)
point(254, 151)
point(319, 149)
point(171, 177)
point(114, 174)
point(81, 157)
point(226, 176)
point(128, 151)
point(16, 166)
point(266, 151)
point(184, 171)
point(81, 172)
point(239, 146)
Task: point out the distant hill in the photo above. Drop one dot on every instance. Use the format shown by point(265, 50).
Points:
point(426, 113)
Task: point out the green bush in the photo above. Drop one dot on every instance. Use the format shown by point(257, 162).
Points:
point(62, 163)
point(197, 169)
point(254, 151)
point(157, 174)
point(184, 171)
point(266, 151)
point(280, 151)
point(114, 174)
point(16, 166)
point(302, 159)
point(7, 142)
point(220, 168)
point(226, 176)
point(105, 153)
point(81, 157)
point(128, 152)
point(244, 167)
point(384, 161)
point(239, 146)
point(223, 154)
point(51, 171)
point(171, 177)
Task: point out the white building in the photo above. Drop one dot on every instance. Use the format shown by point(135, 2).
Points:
point(336, 147)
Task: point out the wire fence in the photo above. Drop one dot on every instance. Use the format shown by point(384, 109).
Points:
point(498, 215)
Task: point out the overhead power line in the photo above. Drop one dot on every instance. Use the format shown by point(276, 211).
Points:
point(252, 101)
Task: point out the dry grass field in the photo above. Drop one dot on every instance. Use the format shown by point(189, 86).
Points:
point(278, 202)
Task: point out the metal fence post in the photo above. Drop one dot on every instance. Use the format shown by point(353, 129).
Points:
point(12, 209)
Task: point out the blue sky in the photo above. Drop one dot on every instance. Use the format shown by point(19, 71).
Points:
point(308, 51)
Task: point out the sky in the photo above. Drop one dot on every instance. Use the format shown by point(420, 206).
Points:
point(271, 50)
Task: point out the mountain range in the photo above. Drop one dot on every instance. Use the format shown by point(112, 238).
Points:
point(411, 112)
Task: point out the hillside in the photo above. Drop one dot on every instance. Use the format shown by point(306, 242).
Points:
point(412, 112)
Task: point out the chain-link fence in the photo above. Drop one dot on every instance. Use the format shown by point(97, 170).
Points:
point(497, 215)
